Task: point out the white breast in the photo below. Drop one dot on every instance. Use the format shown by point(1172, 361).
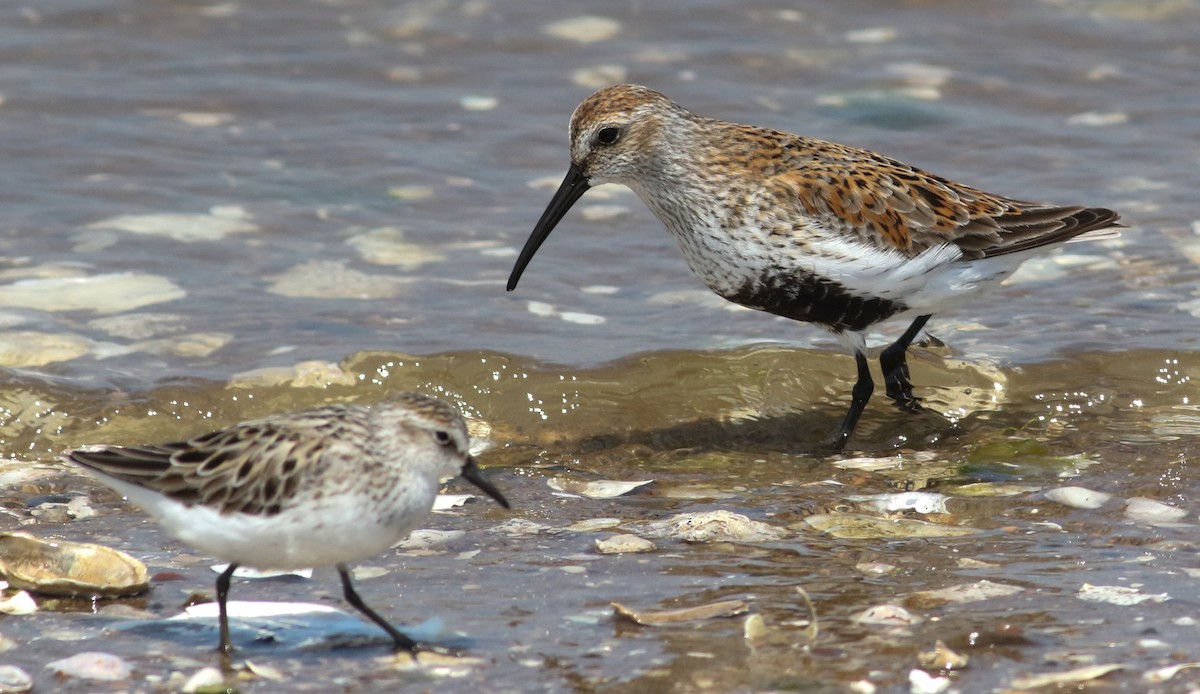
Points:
point(338, 528)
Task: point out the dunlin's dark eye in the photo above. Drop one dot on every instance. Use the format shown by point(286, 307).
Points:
point(608, 135)
point(442, 437)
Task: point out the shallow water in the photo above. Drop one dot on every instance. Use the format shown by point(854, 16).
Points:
point(233, 209)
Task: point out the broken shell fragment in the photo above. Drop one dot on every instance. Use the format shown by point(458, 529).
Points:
point(942, 657)
point(863, 527)
point(1071, 677)
point(724, 608)
point(596, 489)
point(19, 603)
point(69, 568)
point(713, 526)
point(966, 592)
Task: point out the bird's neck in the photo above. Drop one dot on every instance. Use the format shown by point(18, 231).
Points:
point(692, 189)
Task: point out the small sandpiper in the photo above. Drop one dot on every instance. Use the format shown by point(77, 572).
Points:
point(316, 488)
point(806, 229)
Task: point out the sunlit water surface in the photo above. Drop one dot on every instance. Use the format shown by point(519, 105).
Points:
point(216, 211)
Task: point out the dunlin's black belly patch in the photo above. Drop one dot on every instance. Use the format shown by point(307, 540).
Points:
point(815, 300)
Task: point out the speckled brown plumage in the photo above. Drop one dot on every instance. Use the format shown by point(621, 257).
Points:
point(315, 488)
point(803, 228)
point(259, 467)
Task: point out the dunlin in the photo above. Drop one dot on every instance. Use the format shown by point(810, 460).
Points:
point(806, 229)
point(317, 488)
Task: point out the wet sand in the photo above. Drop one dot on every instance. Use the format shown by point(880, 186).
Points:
point(221, 211)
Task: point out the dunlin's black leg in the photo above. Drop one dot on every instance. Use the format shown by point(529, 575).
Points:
point(858, 402)
point(226, 646)
point(895, 367)
point(403, 643)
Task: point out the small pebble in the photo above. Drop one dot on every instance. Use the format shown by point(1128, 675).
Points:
point(541, 308)
point(599, 213)
point(921, 74)
point(19, 603)
point(205, 120)
point(920, 502)
point(599, 76)
point(479, 103)
point(1151, 511)
point(755, 627)
point(624, 544)
point(92, 666)
point(872, 35)
point(888, 615)
point(875, 568)
point(410, 193)
point(14, 680)
point(405, 73)
point(1078, 497)
point(208, 678)
point(1095, 119)
point(921, 682)
point(581, 318)
point(585, 29)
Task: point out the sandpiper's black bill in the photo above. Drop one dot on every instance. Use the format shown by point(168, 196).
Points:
point(573, 186)
point(472, 474)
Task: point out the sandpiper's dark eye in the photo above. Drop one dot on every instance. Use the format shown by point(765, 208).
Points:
point(442, 437)
point(608, 135)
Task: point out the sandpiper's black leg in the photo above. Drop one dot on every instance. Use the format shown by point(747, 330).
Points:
point(858, 402)
point(403, 643)
point(226, 646)
point(894, 362)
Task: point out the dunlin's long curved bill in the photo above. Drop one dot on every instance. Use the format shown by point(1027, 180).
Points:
point(573, 186)
point(472, 474)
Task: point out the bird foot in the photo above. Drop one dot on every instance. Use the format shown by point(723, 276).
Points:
point(905, 401)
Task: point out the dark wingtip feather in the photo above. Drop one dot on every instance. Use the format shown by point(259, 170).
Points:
point(1047, 226)
point(123, 463)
